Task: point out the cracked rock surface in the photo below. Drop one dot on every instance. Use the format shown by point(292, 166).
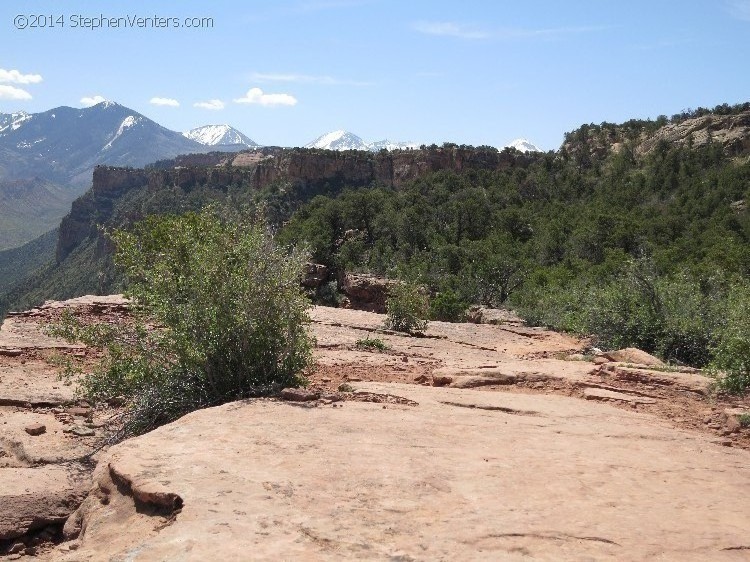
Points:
point(463, 474)
point(468, 442)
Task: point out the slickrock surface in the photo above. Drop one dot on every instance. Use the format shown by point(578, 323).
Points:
point(469, 442)
point(43, 476)
point(464, 475)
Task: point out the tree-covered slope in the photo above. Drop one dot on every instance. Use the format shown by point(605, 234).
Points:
point(552, 233)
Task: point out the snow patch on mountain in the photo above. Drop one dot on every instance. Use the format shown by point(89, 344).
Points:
point(392, 145)
point(127, 123)
point(27, 144)
point(219, 135)
point(12, 121)
point(524, 145)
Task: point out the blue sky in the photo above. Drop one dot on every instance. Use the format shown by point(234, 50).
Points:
point(474, 72)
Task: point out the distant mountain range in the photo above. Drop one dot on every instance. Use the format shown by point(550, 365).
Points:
point(46, 159)
point(344, 140)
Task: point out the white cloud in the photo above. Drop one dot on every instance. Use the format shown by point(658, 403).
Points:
point(169, 102)
point(13, 93)
point(214, 105)
point(16, 77)
point(306, 79)
point(256, 96)
point(450, 29)
point(463, 31)
point(739, 9)
point(88, 101)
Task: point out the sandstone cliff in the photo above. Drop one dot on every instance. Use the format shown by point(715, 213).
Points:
point(306, 171)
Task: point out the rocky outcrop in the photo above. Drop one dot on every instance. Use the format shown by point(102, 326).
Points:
point(478, 314)
point(385, 470)
point(308, 169)
point(729, 130)
point(308, 172)
point(44, 437)
point(732, 132)
point(366, 292)
point(635, 356)
point(35, 498)
point(94, 207)
point(315, 275)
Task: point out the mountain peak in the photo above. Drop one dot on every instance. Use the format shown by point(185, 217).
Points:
point(339, 140)
point(524, 145)
point(344, 140)
point(219, 135)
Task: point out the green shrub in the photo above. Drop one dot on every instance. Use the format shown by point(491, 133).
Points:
point(372, 343)
point(678, 317)
point(448, 307)
point(406, 309)
point(219, 316)
point(731, 362)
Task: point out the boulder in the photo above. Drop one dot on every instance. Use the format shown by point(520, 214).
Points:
point(34, 498)
point(315, 275)
point(366, 292)
point(298, 395)
point(635, 356)
point(477, 314)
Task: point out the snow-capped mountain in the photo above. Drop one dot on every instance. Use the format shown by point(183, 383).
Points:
point(220, 136)
point(339, 140)
point(47, 159)
point(524, 145)
point(344, 140)
point(64, 144)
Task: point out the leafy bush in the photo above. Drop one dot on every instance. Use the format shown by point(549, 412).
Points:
point(731, 362)
point(406, 309)
point(448, 307)
point(219, 316)
point(372, 343)
point(677, 317)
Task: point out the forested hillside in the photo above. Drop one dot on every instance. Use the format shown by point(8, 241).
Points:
point(638, 233)
point(640, 247)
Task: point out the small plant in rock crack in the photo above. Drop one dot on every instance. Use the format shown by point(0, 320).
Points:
point(372, 344)
point(744, 420)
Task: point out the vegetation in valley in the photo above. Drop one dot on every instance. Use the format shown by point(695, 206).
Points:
point(651, 251)
point(649, 248)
